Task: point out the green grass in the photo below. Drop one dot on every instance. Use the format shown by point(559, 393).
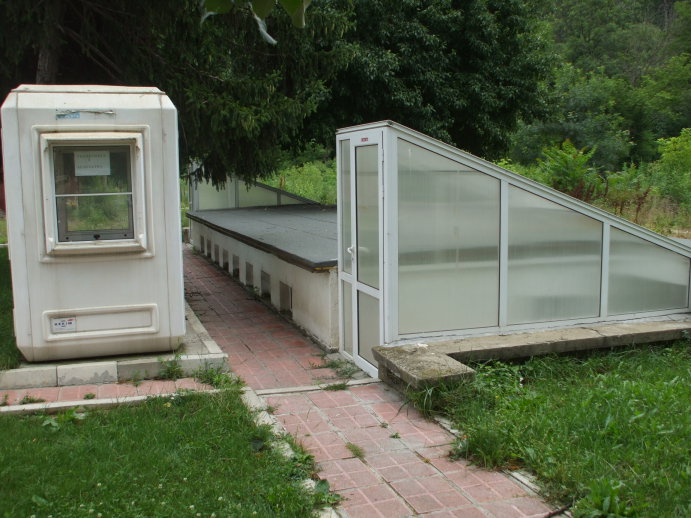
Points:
point(9, 354)
point(190, 455)
point(607, 431)
point(3, 230)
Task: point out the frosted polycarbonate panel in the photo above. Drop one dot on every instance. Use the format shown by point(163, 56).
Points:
point(554, 261)
point(347, 312)
point(368, 326)
point(367, 194)
point(644, 276)
point(345, 206)
point(448, 239)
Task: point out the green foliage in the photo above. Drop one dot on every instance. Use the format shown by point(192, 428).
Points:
point(622, 82)
point(170, 369)
point(630, 187)
point(666, 93)
point(240, 102)
point(315, 180)
point(585, 108)
point(335, 386)
point(567, 170)
point(342, 367)
point(463, 74)
point(262, 8)
point(608, 430)
point(28, 399)
point(672, 173)
point(217, 377)
point(356, 450)
point(69, 416)
point(603, 501)
point(163, 458)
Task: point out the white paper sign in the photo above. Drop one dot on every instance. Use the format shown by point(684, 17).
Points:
point(92, 163)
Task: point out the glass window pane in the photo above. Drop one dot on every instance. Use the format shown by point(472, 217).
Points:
point(367, 193)
point(93, 192)
point(448, 238)
point(346, 236)
point(644, 276)
point(89, 170)
point(368, 326)
point(554, 261)
point(87, 218)
point(347, 317)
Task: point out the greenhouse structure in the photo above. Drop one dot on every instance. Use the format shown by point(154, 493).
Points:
point(437, 243)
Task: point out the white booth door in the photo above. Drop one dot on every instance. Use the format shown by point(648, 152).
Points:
point(360, 216)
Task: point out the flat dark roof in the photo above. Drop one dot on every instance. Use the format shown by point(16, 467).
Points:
point(304, 235)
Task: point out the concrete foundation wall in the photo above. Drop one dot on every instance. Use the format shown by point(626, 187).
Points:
point(311, 295)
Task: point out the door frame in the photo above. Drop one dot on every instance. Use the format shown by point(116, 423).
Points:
point(357, 140)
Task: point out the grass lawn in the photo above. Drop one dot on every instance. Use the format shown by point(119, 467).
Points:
point(3, 230)
point(609, 432)
point(9, 354)
point(196, 455)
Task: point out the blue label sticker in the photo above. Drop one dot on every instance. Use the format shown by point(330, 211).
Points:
point(67, 115)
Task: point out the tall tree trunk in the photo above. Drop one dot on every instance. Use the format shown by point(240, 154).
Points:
point(50, 46)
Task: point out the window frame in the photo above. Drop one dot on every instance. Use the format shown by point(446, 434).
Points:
point(139, 241)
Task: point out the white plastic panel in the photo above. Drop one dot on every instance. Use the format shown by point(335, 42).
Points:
point(554, 261)
point(368, 326)
point(448, 243)
point(645, 277)
point(367, 203)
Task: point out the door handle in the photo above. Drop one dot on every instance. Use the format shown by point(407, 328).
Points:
point(350, 250)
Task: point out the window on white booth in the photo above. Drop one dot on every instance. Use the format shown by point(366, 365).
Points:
point(93, 192)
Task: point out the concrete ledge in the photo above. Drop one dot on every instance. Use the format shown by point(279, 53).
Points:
point(29, 377)
point(554, 341)
point(418, 366)
point(198, 351)
point(434, 363)
point(87, 373)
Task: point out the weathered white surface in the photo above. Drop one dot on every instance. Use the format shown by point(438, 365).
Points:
point(126, 294)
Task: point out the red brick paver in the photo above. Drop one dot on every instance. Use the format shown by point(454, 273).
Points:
point(104, 391)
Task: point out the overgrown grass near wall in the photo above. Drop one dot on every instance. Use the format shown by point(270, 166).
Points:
point(315, 180)
point(9, 355)
point(3, 230)
point(608, 432)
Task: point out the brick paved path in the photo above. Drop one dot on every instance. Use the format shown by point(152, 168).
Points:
point(404, 469)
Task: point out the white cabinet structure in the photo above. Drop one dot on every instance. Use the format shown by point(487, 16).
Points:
point(92, 189)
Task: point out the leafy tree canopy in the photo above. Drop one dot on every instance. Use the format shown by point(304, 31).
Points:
point(463, 71)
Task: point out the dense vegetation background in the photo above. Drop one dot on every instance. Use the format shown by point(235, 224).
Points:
point(589, 96)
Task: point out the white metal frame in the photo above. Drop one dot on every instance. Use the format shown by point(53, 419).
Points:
point(389, 234)
point(367, 138)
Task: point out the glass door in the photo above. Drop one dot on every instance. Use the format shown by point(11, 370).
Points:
point(360, 276)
